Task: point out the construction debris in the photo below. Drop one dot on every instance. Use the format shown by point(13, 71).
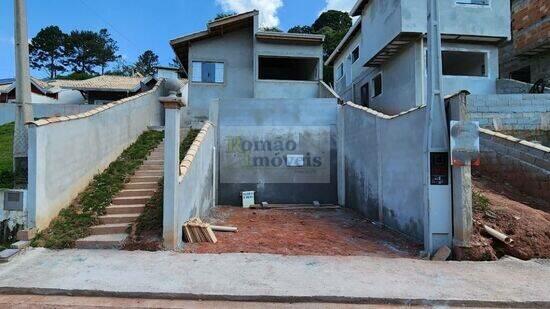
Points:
point(223, 228)
point(442, 254)
point(498, 235)
point(196, 231)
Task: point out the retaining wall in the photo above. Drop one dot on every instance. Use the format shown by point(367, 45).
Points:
point(383, 166)
point(511, 111)
point(66, 152)
point(7, 111)
point(523, 164)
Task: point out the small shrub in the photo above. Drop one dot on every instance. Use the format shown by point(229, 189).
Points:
point(480, 202)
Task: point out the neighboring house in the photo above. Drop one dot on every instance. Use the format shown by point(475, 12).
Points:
point(169, 72)
point(41, 92)
point(106, 88)
point(527, 57)
point(234, 59)
point(381, 63)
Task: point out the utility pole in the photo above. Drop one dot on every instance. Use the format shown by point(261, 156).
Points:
point(23, 92)
point(438, 224)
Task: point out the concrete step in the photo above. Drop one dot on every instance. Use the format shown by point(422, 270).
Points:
point(131, 200)
point(145, 179)
point(135, 192)
point(151, 168)
point(148, 173)
point(153, 163)
point(111, 241)
point(106, 229)
point(113, 219)
point(141, 185)
point(125, 209)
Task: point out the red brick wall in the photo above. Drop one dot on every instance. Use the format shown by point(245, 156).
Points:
point(530, 23)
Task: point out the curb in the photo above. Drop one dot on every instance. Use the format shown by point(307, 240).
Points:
point(277, 299)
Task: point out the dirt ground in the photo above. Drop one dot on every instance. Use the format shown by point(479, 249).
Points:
point(513, 214)
point(303, 232)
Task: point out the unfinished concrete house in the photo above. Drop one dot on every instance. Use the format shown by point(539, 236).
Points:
point(381, 63)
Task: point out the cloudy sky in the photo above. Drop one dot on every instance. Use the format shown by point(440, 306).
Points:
point(139, 25)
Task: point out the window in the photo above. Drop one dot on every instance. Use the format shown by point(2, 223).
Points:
point(460, 63)
point(340, 71)
point(377, 82)
point(473, 2)
point(287, 68)
point(208, 72)
point(355, 55)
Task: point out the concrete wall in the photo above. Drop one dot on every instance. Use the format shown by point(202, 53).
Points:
point(257, 135)
point(510, 86)
point(511, 111)
point(64, 154)
point(7, 111)
point(195, 187)
point(522, 164)
point(235, 50)
point(286, 89)
point(384, 165)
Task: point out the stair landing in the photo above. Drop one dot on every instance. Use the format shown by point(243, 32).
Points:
point(126, 206)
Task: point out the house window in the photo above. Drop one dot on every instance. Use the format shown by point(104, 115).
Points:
point(473, 2)
point(288, 68)
point(208, 72)
point(355, 55)
point(377, 83)
point(460, 63)
point(340, 71)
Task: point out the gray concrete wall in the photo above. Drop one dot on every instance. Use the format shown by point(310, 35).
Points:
point(510, 86)
point(235, 50)
point(511, 111)
point(7, 111)
point(275, 89)
point(64, 155)
point(257, 135)
point(384, 166)
point(196, 181)
point(381, 23)
point(522, 164)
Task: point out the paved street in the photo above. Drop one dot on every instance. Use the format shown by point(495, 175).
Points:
point(276, 278)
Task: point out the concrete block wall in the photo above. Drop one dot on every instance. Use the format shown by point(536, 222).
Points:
point(511, 111)
point(522, 164)
point(384, 165)
point(66, 152)
point(7, 110)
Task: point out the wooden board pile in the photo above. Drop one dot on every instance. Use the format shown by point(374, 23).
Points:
point(196, 231)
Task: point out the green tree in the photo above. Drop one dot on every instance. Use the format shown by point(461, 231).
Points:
point(301, 29)
point(122, 68)
point(271, 29)
point(83, 49)
point(146, 63)
point(107, 54)
point(47, 50)
point(76, 76)
point(224, 15)
point(336, 20)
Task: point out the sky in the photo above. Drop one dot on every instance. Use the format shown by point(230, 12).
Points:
point(138, 25)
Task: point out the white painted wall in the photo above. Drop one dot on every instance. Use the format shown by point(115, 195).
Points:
point(64, 156)
point(7, 111)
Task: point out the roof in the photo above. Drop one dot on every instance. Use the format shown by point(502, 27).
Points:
point(5, 81)
point(215, 28)
point(344, 43)
point(303, 38)
point(104, 83)
point(358, 7)
point(42, 86)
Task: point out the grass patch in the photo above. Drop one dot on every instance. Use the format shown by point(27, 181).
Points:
point(74, 221)
point(6, 155)
point(480, 202)
point(151, 218)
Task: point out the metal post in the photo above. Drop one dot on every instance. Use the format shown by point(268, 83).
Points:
point(437, 225)
point(23, 93)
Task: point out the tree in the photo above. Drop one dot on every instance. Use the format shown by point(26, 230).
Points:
point(122, 68)
point(301, 29)
point(47, 50)
point(336, 20)
point(146, 63)
point(175, 63)
point(271, 29)
point(108, 53)
point(83, 49)
point(224, 15)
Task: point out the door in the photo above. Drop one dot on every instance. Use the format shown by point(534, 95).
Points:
point(365, 96)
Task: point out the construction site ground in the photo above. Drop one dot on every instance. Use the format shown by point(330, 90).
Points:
point(331, 232)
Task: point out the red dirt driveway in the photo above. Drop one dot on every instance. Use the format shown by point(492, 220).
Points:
point(329, 232)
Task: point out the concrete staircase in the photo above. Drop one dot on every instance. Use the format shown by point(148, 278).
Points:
point(126, 206)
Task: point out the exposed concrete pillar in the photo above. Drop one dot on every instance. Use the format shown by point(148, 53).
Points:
point(172, 107)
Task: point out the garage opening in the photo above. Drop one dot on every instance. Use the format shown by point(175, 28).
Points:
point(460, 63)
point(278, 68)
